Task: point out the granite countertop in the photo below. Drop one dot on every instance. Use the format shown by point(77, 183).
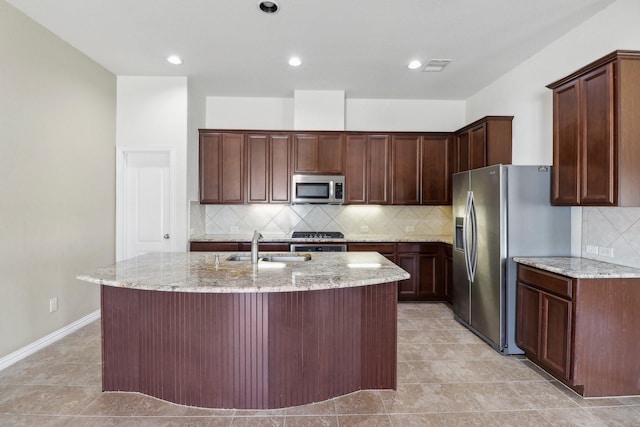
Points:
point(580, 268)
point(197, 272)
point(350, 238)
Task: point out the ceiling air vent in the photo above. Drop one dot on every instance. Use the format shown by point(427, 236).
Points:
point(437, 65)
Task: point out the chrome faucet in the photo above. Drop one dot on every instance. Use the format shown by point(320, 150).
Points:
point(254, 246)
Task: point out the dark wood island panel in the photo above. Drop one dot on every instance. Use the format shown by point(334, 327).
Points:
point(249, 350)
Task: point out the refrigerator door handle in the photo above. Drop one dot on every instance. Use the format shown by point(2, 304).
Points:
point(465, 235)
point(473, 258)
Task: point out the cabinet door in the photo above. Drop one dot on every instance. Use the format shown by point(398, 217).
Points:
point(378, 169)
point(305, 153)
point(555, 334)
point(330, 151)
point(222, 168)
point(232, 168)
point(428, 277)
point(528, 319)
point(280, 169)
point(318, 153)
point(258, 168)
point(447, 271)
point(408, 288)
point(209, 173)
point(597, 137)
point(462, 152)
point(421, 261)
point(436, 177)
point(477, 147)
point(565, 173)
point(356, 169)
point(405, 170)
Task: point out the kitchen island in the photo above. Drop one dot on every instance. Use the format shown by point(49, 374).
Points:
point(200, 330)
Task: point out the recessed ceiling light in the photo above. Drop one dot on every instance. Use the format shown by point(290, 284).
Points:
point(268, 6)
point(295, 61)
point(174, 59)
point(414, 65)
point(437, 65)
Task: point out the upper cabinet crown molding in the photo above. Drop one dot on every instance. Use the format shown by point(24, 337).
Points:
point(596, 149)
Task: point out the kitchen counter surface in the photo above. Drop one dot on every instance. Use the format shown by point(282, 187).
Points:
point(197, 272)
point(580, 268)
point(350, 238)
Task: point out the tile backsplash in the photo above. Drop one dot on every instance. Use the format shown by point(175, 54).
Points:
point(283, 219)
point(617, 229)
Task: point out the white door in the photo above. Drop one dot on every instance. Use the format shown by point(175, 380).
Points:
point(146, 198)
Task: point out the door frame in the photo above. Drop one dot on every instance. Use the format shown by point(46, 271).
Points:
point(121, 207)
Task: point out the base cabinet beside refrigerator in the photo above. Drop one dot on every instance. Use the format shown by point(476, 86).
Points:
point(582, 331)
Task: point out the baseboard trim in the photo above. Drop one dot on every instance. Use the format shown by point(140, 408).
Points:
point(20, 354)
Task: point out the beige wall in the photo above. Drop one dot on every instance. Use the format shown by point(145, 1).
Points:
point(57, 179)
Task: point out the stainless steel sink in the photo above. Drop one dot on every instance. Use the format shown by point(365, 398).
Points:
point(239, 258)
point(286, 257)
point(272, 257)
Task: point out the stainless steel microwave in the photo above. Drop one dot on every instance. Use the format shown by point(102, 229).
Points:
point(327, 189)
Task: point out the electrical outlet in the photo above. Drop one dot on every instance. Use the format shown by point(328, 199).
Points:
point(593, 250)
point(364, 228)
point(608, 252)
point(53, 304)
point(409, 228)
point(233, 229)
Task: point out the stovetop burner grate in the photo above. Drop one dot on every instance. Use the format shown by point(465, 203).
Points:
point(317, 235)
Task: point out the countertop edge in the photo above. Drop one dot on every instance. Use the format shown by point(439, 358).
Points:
point(355, 238)
point(580, 268)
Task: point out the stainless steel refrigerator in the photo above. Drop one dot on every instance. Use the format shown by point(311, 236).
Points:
point(500, 212)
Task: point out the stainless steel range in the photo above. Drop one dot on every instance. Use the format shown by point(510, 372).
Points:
point(325, 246)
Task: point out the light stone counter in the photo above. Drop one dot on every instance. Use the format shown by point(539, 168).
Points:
point(581, 268)
point(198, 272)
point(350, 238)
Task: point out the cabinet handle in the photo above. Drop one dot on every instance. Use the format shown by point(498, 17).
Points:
point(166, 236)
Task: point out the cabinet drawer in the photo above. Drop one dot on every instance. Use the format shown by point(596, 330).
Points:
point(383, 248)
point(549, 282)
point(214, 246)
point(418, 248)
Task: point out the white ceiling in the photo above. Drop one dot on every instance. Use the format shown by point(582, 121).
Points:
point(230, 48)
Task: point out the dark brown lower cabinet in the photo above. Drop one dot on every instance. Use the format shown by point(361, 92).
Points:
point(430, 264)
point(421, 261)
point(237, 246)
point(447, 271)
point(581, 331)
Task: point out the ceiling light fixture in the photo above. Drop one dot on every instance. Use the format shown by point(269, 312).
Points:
point(414, 65)
point(268, 6)
point(295, 61)
point(174, 59)
point(437, 65)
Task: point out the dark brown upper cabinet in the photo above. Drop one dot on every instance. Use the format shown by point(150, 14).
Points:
point(318, 153)
point(367, 169)
point(596, 148)
point(221, 163)
point(268, 168)
point(483, 143)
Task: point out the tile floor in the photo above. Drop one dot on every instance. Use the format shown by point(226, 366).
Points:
point(446, 377)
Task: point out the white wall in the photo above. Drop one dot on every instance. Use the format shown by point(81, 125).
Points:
point(522, 91)
point(227, 112)
point(359, 114)
point(152, 112)
point(404, 115)
point(57, 169)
